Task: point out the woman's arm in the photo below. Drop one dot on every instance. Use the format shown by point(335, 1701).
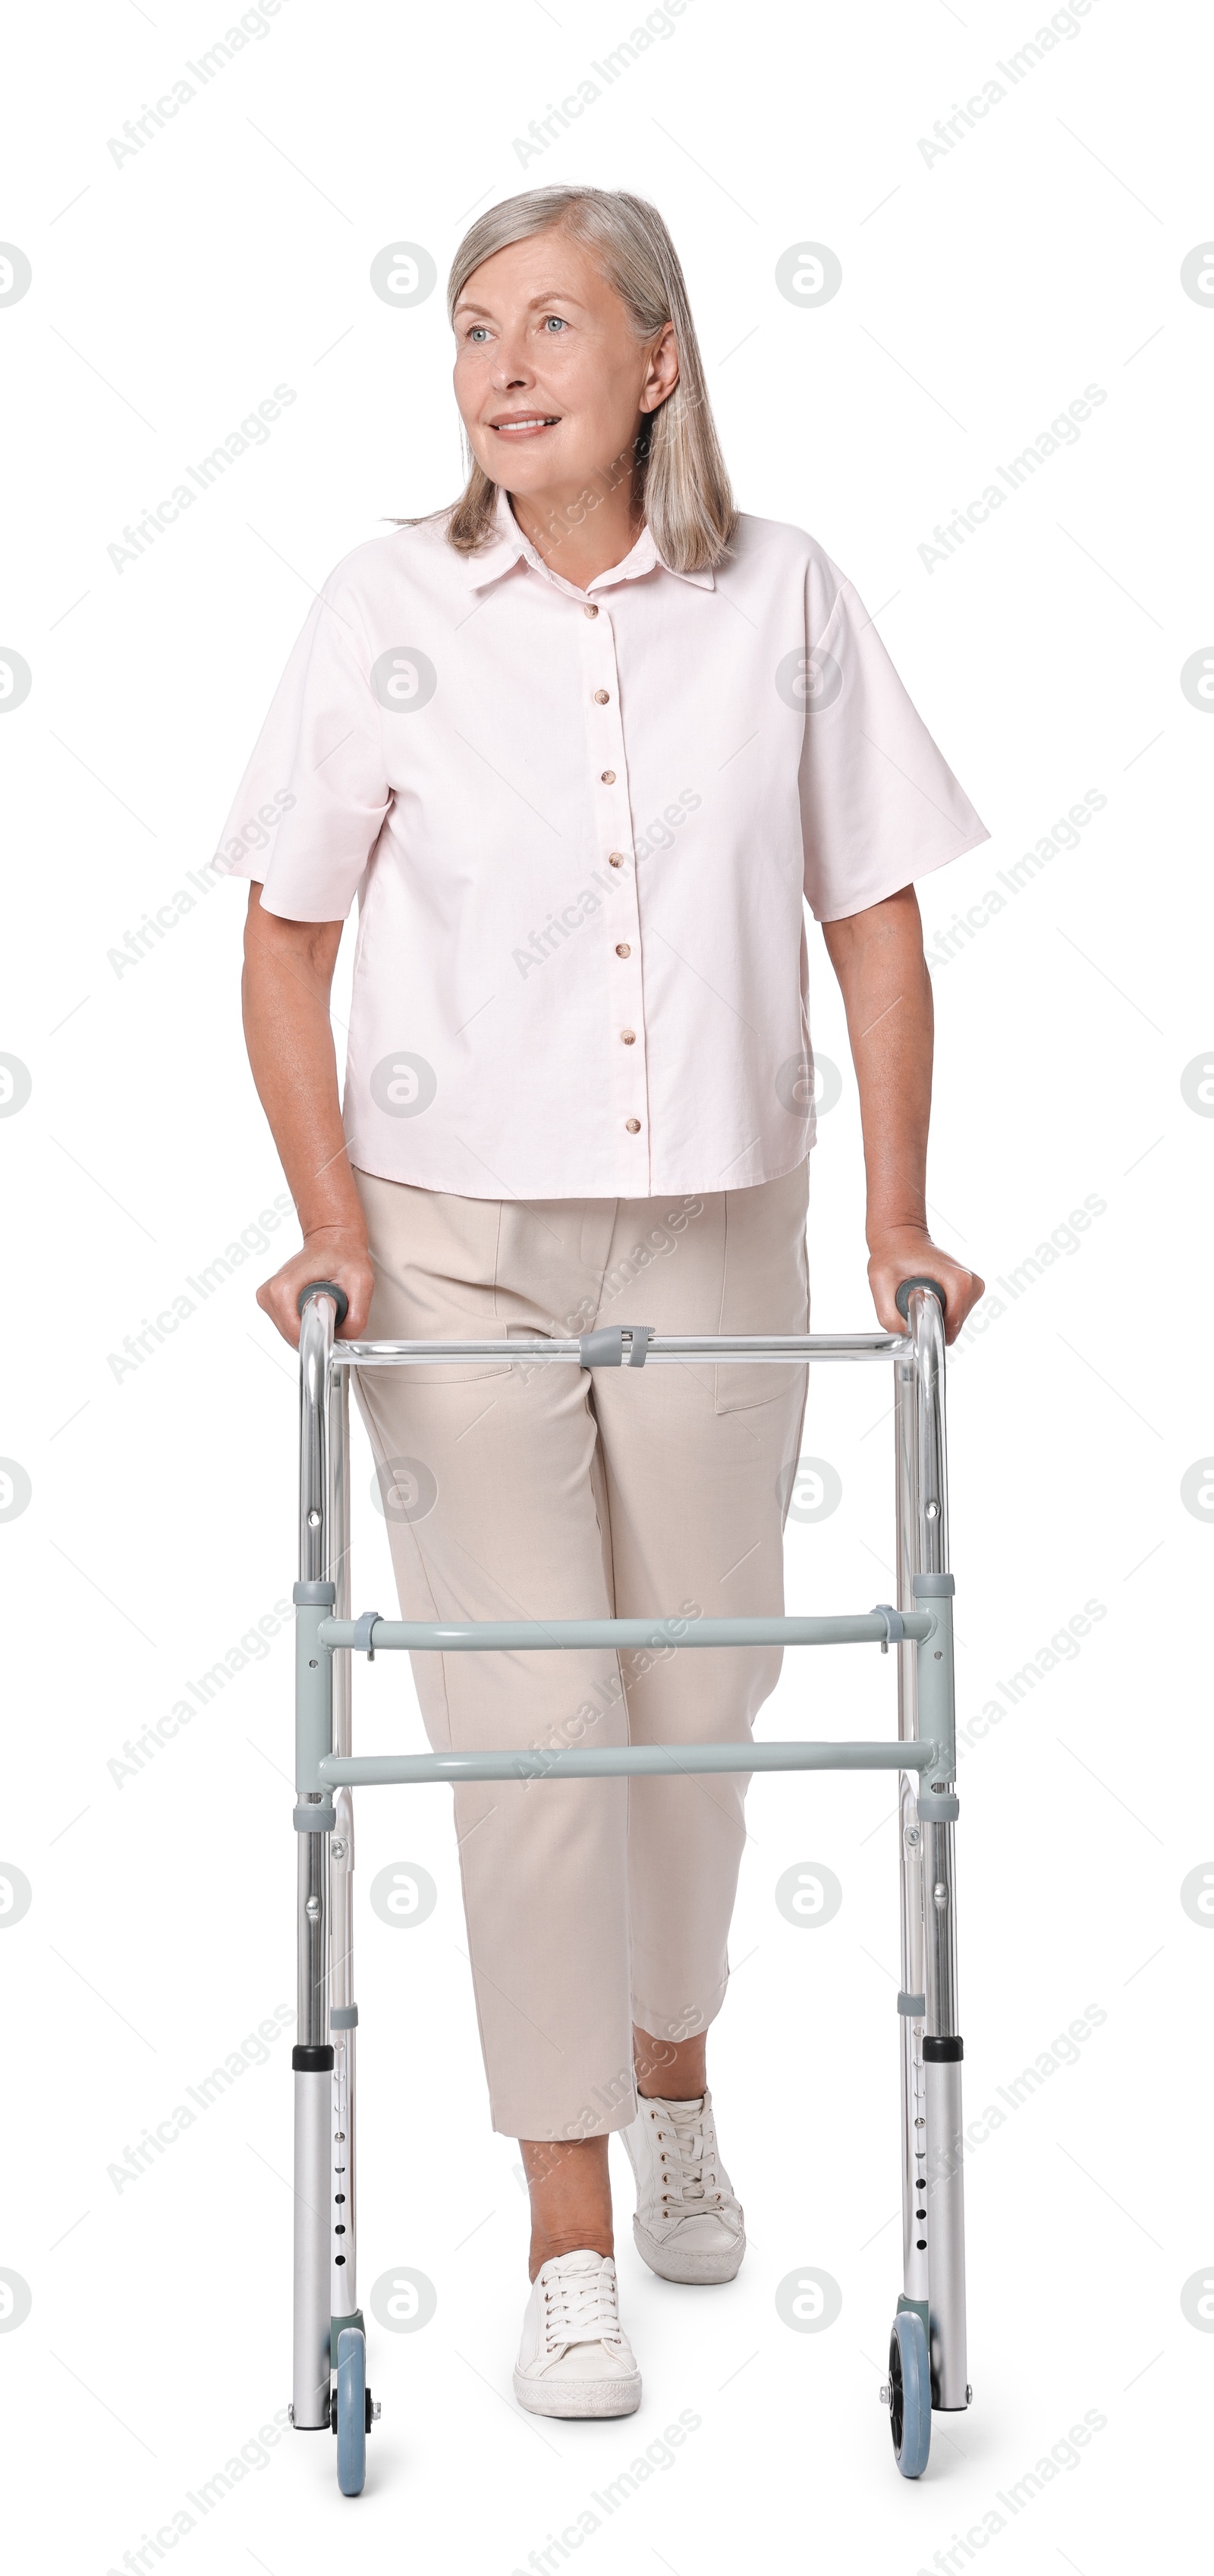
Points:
point(288, 971)
point(887, 993)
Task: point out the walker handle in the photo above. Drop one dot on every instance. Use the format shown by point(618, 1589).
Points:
point(326, 1288)
point(902, 1295)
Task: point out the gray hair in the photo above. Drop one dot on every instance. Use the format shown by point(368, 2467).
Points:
point(681, 477)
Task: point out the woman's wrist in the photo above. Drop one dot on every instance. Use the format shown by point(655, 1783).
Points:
point(349, 1230)
point(881, 1231)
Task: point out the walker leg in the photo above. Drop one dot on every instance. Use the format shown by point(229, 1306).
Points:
point(312, 2056)
point(942, 2052)
point(312, 2059)
point(329, 2333)
point(933, 2216)
point(343, 2024)
point(343, 2011)
point(911, 2000)
point(910, 2012)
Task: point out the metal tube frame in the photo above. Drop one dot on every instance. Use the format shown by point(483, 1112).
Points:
point(933, 2220)
point(923, 1753)
point(312, 2056)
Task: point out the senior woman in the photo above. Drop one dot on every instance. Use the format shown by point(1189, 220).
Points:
point(582, 744)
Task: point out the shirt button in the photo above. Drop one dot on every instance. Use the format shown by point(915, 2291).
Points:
point(608, 777)
point(633, 1126)
point(628, 1037)
point(615, 859)
point(601, 697)
point(590, 612)
point(623, 950)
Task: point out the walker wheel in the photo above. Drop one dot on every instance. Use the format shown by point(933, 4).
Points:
point(372, 2411)
point(910, 2393)
point(351, 2410)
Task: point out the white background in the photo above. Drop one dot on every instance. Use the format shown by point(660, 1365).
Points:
point(982, 291)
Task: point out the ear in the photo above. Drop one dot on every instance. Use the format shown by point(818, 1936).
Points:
point(662, 372)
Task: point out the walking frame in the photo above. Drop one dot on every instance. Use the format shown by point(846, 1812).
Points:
point(927, 2366)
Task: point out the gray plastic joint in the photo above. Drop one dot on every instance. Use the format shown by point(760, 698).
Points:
point(319, 1817)
point(360, 1642)
point(343, 2017)
point(605, 1348)
point(932, 1587)
point(894, 1628)
point(353, 2317)
point(912, 2007)
point(314, 1596)
point(938, 1807)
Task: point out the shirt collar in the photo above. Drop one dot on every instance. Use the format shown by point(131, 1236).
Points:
point(507, 545)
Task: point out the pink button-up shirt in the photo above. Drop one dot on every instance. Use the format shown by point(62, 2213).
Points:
point(580, 826)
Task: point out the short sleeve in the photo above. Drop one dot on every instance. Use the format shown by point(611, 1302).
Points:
point(879, 804)
point(307, 812)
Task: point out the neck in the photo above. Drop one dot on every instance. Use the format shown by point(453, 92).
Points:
point(580, 530)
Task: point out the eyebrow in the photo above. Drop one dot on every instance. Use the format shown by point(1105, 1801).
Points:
point(554, 295)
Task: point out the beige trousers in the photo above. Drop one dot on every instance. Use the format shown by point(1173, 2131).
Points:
point(514, 1492)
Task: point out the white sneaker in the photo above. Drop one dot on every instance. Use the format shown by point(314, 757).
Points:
point(575, 2357)
point(688, 2225)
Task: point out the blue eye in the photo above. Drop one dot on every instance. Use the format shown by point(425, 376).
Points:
point(477, 327)
point(555, 317)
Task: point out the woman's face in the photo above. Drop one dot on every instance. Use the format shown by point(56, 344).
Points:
point(550, 377)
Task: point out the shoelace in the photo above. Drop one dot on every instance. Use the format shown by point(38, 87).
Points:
point(581, 2307)
point(699, 2188)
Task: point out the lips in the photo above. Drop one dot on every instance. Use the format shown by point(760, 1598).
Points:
point(524, 424)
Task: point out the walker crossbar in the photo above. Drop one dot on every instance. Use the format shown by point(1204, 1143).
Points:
point(486, 1636)
point(616, 1761)
point(928, 2345)
point(662, 1349)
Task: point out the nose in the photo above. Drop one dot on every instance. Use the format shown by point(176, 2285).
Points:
point(511, 367)
point(512, 358)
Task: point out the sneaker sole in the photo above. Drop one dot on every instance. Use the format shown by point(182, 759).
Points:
point(671, 2264)
point(579, 2397)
